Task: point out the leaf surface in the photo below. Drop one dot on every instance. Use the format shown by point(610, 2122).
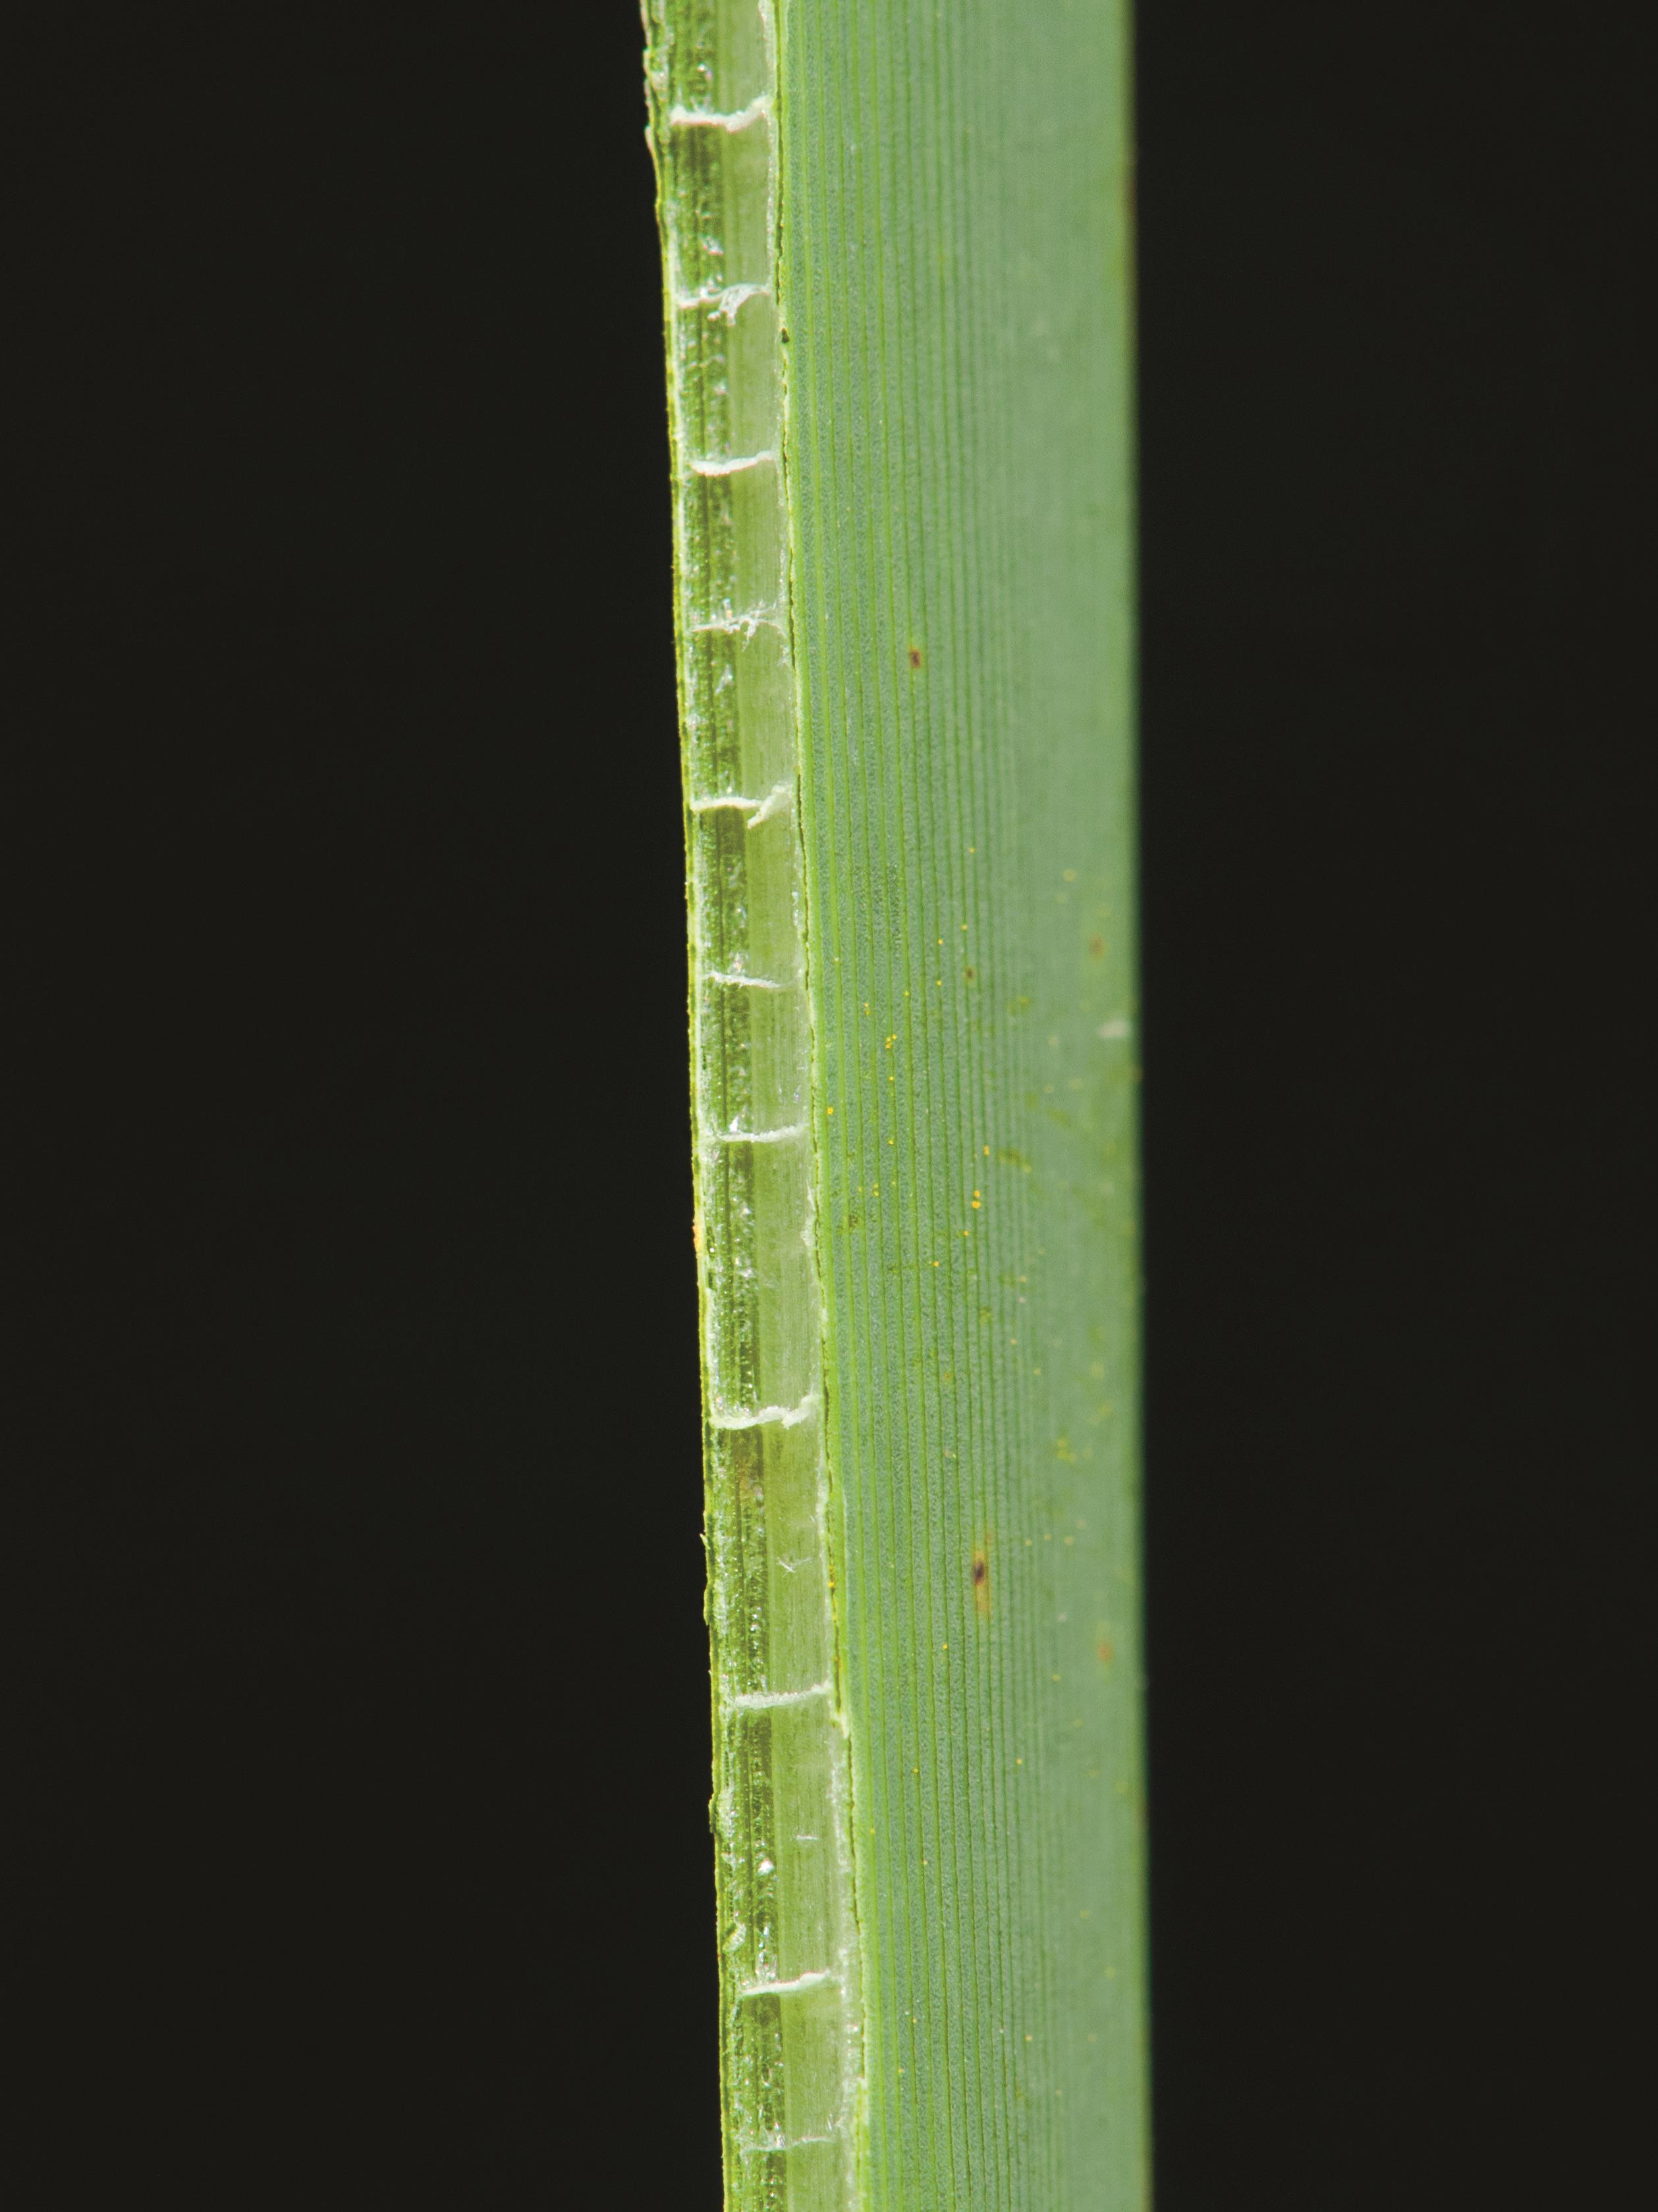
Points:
point(897, 244)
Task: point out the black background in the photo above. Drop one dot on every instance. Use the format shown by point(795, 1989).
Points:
point(356, 1732)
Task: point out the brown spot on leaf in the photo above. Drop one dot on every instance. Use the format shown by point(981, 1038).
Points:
point(1105, 1651)
point(1096, 948)
point(972, 974)
point(915, 656)
point(981, 1583)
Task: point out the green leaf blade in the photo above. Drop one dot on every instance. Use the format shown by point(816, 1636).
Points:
point(947, 539)
point(955, 286)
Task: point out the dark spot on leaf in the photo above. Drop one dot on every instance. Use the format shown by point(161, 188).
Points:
point(915, 656)
point(971, 973)
point(1096, 948)
point(982, 1582)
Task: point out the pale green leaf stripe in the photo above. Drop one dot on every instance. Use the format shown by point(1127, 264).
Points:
point(947, 187)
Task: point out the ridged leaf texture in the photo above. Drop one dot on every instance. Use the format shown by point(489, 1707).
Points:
point(897, 256)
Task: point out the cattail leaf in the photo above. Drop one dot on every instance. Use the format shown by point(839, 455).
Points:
point(898, 294)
